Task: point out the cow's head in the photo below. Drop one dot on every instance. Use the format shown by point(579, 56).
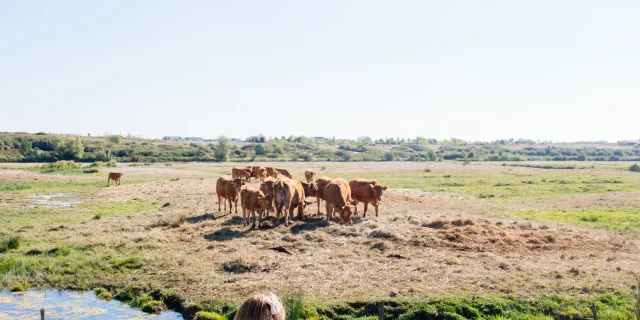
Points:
point(377, 190)
point(310, 189)
point(345, 214)
point(237, 184)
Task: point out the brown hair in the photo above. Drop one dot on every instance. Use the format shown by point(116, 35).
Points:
point(259, 306)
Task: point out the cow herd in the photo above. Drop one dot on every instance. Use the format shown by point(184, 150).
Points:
point(284, 195)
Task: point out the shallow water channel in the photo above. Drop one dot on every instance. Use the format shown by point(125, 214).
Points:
point(70, 305)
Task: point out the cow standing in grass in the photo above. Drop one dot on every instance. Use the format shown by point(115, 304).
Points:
point(367, 192)
point(229, 190)
point(288, 195)
point(284, 172)
point(261, 173)
point(253, 200)
point(267, 187)
point(321, 183)
point(338, 197)
point(308, 174)
point(272, 172)
point(238, 172)
point(115, 176)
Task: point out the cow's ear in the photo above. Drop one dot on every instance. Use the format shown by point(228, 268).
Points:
point(384, 188)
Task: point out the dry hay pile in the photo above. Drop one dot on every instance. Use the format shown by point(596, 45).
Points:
point(481, 236)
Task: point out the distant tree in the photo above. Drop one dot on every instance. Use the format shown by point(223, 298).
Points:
point(221, 150)
point(70, 149)
point(581, 157)
point(115, 139)
point(260, 149)
point(388, 156)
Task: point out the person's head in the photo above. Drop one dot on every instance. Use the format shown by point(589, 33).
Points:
point(261, 306)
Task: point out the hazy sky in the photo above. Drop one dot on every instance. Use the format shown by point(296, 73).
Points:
point(475, 70)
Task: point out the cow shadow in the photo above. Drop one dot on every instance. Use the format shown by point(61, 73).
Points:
point(234, 221)
point(310, 224)
point(204, 217)
point(224, 234)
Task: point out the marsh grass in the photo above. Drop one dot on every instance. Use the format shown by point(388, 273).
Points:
point(9, 187)
point(59, 166)
point(620, 219)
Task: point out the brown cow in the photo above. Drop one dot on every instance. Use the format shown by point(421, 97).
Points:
point(238, 172)
point(267, 187)
point(288, 195)
point(284, 172)
point(321, 183)
point(367, 192)
point(228, 189)
point(310, 189)
point(253, 200)
point(338, 197)
point(261, 173)
point(272, 172)
point(115, 176)
point(308, 174)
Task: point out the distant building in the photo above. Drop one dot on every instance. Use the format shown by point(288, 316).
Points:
point(364, 139)
point(628, 142)
point(171, 138)
point(198, 139)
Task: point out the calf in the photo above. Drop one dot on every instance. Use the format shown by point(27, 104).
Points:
point(272, 172)
point(115, 176)
point(253, 200)
point(321, 183)
point(284, 172)
point(229, 190)
point(367, 192)
point(308, 174)
point(310, 189)
point(338, 197)
point(267, 187)
point(238, 172)
point(261, 173)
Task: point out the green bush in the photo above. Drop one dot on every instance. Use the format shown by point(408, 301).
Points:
point(12, 243)
point(59, 166)
point(115, 139)
point(388, 156)
point(634, 168)
point(103, 293)
point(90, 170)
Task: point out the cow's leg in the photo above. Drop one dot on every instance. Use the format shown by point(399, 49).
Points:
point(328, 208)
point(355, 209)
point(301, 211)
point(225, 205)
point(230, 205)
point(236, 202)
point(288, 212)
point(244, 216)
point(318, 200)
point(376, 206)
point(366, 205)
point(108, 179)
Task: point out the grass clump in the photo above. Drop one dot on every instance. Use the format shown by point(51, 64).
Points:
point(381, 234)
point(172, 222)
point(100, 164)
point(17, 288)
point(59, 166)
point(634, 168)
point(13, 187)
point(297, 308)
point(103, 293)
point(205, 315)
point(90, 170)
point(12, 243)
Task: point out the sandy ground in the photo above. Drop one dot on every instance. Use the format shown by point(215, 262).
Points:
point(421, 244)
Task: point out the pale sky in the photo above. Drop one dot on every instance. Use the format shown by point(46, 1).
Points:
point(475, 70)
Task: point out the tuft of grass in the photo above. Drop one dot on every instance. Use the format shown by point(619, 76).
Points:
point(59, 166)
point(12, 243)
point(381, 234)
point(17, 288)
point(91, 170)
point(173, 222)
point(634, 168)
point(6, 187)
point(297, 308)
point(97, 217)
point(205, 315)
point(103, 293)
point(238, 266)
point(99, 164)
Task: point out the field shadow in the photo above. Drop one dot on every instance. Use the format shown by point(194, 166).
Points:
point(204, 217)
point(235, 220)
point(310, 224)
point(225, 234)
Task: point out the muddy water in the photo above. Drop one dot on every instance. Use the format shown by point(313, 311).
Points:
point(53, 200)
point(70, 305)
